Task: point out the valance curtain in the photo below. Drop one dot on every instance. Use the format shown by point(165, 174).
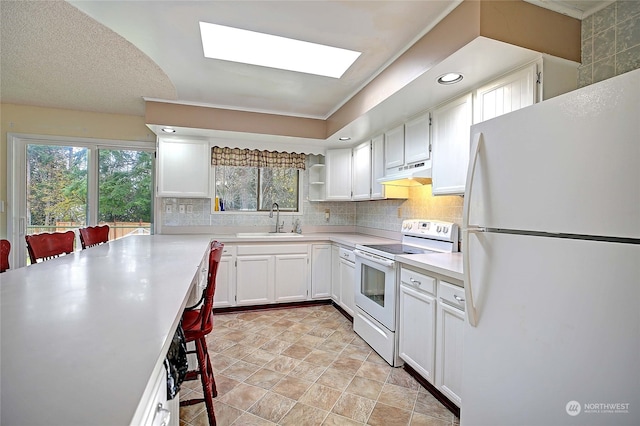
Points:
point(256, 158)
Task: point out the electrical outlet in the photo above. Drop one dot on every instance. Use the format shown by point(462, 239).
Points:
point(400, 212)
point(189, 208)
point(168, 208)
point(181, 208)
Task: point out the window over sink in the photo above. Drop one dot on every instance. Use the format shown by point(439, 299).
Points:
point(250, 189)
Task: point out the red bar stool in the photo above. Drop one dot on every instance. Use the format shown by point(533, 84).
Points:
point(5, 248)
point(197, 323)
point(47, 245)
point(94, 235)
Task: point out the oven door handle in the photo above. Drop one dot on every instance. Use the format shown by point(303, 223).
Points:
point(377, 259)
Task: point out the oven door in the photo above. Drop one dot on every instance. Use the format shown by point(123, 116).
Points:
point(376, 287)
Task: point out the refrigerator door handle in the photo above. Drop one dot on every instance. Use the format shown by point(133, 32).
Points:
point(471, 170)
point(470, 307)
point(472, 314)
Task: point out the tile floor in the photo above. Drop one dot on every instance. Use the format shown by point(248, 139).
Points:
point(306, 366)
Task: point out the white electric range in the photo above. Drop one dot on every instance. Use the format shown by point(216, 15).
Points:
point(378, 279)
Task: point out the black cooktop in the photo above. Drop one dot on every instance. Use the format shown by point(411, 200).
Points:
point(398, 248)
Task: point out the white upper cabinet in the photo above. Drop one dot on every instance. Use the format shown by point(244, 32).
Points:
point(183, 168)
point(377, 168)
point(416, 140)
point(510, 93)
point(451, 139)
point(338, 174)
point(361, 183)
point(394, 149)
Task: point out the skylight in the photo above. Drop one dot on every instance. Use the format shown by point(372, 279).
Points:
point(249, 47)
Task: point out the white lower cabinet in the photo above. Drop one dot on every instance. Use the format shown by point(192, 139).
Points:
point(271, 273)
point(225, 279)
point(254, 279)
point(343, 278)
point(335, 273)
point(418, 322)
point(291, 277)
point(449, 342)
point(347, 272)
point(154, 408)
point(431, 329)
point(321, 271)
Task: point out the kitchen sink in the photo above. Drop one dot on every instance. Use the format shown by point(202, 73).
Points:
point(266, 234)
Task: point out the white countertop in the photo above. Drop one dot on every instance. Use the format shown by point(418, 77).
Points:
point(346, 239)
point(81, 334)
point(448, 264)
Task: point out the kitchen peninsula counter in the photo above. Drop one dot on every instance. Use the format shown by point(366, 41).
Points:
point(447, 264)
point(83, 334)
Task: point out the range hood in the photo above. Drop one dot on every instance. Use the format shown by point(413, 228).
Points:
point(411, 175)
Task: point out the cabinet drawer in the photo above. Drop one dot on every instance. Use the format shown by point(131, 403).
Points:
point(273, 249)
point(451, 294)
point(228, 250)
point(347, 254)
point(418, 281)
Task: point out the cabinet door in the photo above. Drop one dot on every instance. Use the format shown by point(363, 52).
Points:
point(417, 331)
point(321, 271)
point(416, 139)
point(361, 172)
point(254, 280)
point(225, 280)
point(291, 277)
point(347, 286)
point(183, 168)
point(377, 167)
point(451, 141)
point(509, 93)
point(449, 356)
point(335, 274)
point(338, 174)
point(394, 150)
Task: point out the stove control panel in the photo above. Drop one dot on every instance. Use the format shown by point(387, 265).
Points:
point(445, 231)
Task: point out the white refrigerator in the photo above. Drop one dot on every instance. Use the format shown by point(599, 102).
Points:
point(551, 241)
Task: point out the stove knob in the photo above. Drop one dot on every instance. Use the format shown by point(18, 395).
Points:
point(445, 229)
point(438, 228)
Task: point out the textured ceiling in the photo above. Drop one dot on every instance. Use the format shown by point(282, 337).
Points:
point(53, 55)
point(105, 56)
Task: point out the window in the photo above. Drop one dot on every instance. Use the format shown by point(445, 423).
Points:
point(256, 188)
point(63, 183)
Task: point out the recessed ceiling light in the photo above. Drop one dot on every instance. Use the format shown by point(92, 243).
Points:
point(249, 47)
point(344, 138)
point(450, 78)
point(168, 130)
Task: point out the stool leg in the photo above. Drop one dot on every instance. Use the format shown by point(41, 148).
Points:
point(206, 377)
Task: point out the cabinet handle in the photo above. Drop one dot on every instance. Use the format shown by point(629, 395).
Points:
point(415, 281)
point(458, 298)
point(165, 415)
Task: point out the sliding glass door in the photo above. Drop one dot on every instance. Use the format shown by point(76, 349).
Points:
point(62, 184)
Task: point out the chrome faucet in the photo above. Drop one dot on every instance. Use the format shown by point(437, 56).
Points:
point(277, 216)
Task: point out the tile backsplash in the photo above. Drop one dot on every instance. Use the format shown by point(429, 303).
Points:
point(610, 42)
point(384, 215)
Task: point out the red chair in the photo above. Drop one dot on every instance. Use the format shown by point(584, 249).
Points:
point(46, 246)
point(197, 323)
point(94, 235)
point(5, 248)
